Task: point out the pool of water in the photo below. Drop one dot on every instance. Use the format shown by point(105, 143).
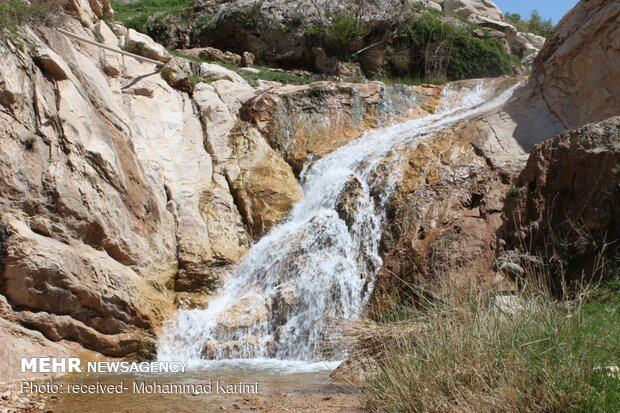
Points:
point(211, 387)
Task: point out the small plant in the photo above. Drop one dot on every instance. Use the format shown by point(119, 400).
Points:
point(193, 81)
point(14, 13)
point(205, 22)
point(343, 29)
point(293, 23)
point(141, 49)
point(399, 59)
point(98, 36)
point(513, 192)
point(167, 73)
point(30, 142)
point(252, 14)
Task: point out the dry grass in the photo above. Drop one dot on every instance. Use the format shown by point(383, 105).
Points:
point(472, 354)
point(456, 350)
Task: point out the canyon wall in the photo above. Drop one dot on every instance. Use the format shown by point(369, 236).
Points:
point(124, 198)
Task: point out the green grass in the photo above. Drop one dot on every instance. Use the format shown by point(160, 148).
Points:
point(135, 15)
point(463, 354)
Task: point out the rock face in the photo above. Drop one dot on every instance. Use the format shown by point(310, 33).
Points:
point(118, 190)
point(143, 45)
point(569, 188)
point(123, 195)
point(473, 9)
point(442, 221)
point(568, 74)
point(308, 122)
point(567, 89)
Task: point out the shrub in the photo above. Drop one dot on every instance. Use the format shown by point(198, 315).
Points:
point(342, 30)
point(399, 59)
point(205, 22)
point(252, 14)
point(536, 24)
point(443, 50)
point(167, 73)
point(29, 143)
point(14, 13)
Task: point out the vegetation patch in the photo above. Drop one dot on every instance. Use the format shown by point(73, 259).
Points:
point(14, 13)
point(441, 49)
point(135, 15)
point(535, 24)
point(514, 353)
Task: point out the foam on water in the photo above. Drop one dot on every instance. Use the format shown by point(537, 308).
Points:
point(320, 264)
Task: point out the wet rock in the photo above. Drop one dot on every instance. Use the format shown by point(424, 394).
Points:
point(440, 228)
point(307, 122)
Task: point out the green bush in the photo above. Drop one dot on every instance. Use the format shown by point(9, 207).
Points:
point(536, 24)
point(205, 22)
point(14, 13)
point(442, 49)
point(342, 30)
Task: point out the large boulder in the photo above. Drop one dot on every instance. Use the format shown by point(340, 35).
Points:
point(568, 88)
point(577, 73)
point(143, 45)
point(569, 189)
point(106, 300)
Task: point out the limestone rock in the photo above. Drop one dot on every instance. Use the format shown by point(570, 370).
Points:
point(305, 122)
point(18, 342)
point(143, 45)
point(442, 220)
point(52, 64)
point(264, 188)
point(212, 54)
point(568, 72)
point(247, 59)
point(473, 9)
point(571, 185)
point(567, 89)
point(48, 276)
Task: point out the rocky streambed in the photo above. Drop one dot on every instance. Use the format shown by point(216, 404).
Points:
point(216, 389)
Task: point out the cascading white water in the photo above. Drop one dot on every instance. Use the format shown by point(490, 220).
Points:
point(322, 261)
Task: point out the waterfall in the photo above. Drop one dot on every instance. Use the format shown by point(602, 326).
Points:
point(321, 262)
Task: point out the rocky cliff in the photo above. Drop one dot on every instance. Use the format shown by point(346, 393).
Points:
point(124, 196)
point(574, 82)
point(129, 190)
point(452, 228)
